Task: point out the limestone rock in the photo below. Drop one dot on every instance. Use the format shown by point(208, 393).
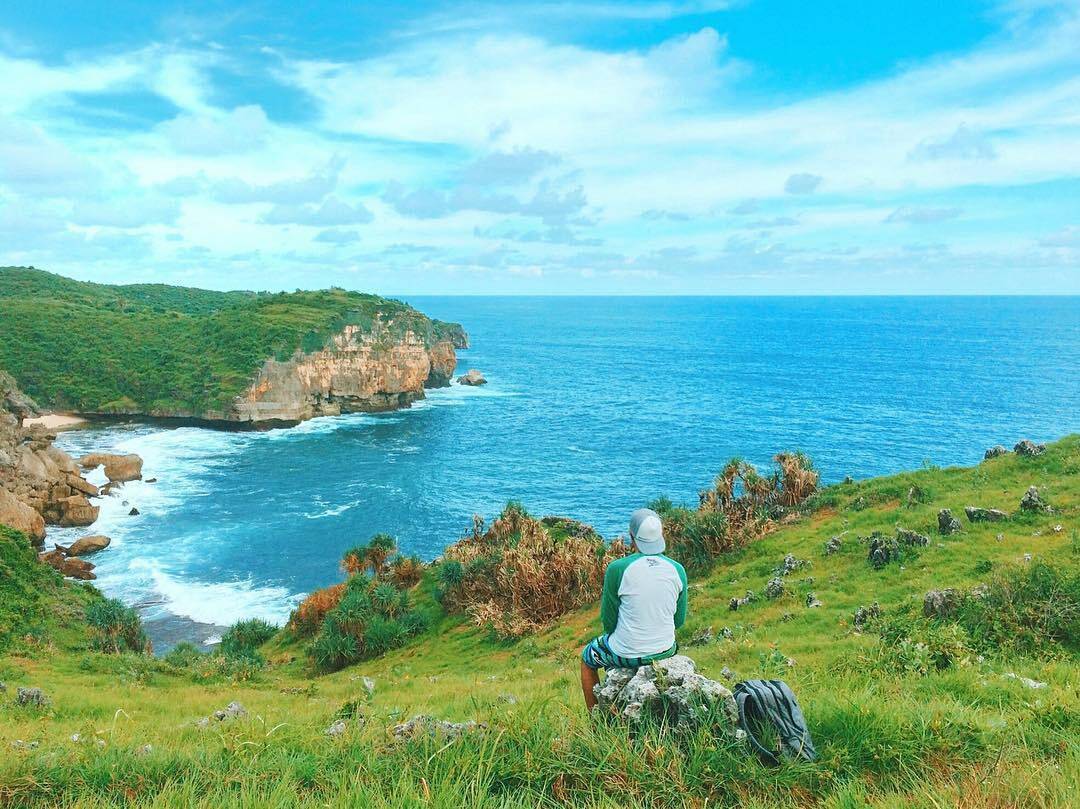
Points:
point(1029, 448)
point(21, 517)
point(864, 615)
point(703, 637)
point(912, 538)
point(975, 514)
point(31, 696)
point(833, 545)
point(947, 523)
point(234, 710)
point(472, 377)
point(118, 468)
point(77, 511)
point(941, 603)
point(735, 603)
point(882, 550)
point(790, 565)
point(337, 729)
point(812, 601)
point(77, 569)
point(1027, 682)
point(436, 728)
point(1032, 501)
point(668, 691)
point(87, 545)
point(994, 452)
point(77, 483)
point(774, 588)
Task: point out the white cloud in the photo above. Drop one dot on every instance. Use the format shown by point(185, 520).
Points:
point(239, 130)
point(963, 144)
point(917, 215)
point(332, 212)
point(802, 183)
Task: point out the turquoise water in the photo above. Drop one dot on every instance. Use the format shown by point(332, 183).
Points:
point(595, 406)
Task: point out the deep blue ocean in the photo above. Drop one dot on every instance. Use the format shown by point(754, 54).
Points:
point(594, 407)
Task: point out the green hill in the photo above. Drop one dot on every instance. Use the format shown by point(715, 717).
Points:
point(154, 348)
point(906, 711)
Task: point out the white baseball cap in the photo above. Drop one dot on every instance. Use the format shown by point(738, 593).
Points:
point(647, 531)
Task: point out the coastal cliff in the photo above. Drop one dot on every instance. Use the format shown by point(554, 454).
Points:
point(231, 359)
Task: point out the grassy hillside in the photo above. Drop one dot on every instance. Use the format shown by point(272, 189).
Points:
point(909, 712)
point(152, 347)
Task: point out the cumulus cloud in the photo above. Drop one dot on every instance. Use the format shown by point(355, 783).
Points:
point(331, 212)
point(963, 144)
point(549, 202)
point(239, 130)
point(337, 236)
point(33, 162)
point(310, 188)
point(508, 168)
point(917, 215)
point(802, 183)
point(656, 215)
point(1068, 236)
point(745, 208)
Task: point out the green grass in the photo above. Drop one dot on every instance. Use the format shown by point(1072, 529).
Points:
point(965, 735)
point(152, 348)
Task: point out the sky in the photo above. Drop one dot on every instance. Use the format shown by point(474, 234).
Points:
point(564, 147)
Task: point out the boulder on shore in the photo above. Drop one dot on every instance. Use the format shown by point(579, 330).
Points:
point(994, 452)
point(118, 468)
point(472, 377)
point(77, 511)
point(87, 545)
point(975, 514)
point(666, 691)
point(21, 517)
point(77, 569)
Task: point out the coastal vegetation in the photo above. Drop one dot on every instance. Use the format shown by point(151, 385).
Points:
point(160, 349)
point(945, 677)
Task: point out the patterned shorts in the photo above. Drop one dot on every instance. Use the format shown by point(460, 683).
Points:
point(598, 655)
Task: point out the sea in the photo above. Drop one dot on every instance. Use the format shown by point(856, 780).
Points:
point(595, 406)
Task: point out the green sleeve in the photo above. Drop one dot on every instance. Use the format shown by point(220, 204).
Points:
point(680, 606)
point(609, 601)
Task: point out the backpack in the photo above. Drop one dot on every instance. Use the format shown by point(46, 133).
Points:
point(770, 702)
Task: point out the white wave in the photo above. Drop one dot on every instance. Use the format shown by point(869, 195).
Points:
point(213, 640)
point(573, 448)
point(220, 603)
point(330, 512)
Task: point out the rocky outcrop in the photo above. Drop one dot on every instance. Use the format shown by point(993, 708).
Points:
point(436, 728)
point(941, 603)
point(1033, 501)
point(118, 468)
point(995, 451)
point(358, 371)
point(472, 377)
point(1029, 448)
point(69, 566)
point(947, 523)
point(667, 691)
point(85, 546)
point(39, 484)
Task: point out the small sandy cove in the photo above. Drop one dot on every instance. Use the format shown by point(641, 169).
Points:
point(55, 421)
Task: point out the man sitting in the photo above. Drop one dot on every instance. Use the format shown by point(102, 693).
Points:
point(643, 603)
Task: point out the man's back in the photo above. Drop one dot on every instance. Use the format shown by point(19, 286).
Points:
point(643, 603)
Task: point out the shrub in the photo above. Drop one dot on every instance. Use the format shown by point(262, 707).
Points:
point(118, 628)
point(333, 647)
point(383, 634)
point(309, 616)
point(522, 573)
point(183, 655)
point(245, 637)
point(386, 599)
point(406, 571)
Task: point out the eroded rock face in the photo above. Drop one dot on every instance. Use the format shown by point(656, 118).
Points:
point(357, 372)
point(21, 517)
point(668, 691)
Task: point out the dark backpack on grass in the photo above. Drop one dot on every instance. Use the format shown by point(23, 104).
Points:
point(770, 703)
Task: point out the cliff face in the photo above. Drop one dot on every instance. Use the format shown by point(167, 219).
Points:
point(39, 484)
point(358, 371)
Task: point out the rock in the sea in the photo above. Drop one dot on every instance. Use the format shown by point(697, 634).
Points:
point(472, 377)
point(941, 603)
point(912, 538)
point(21, 517)
point(995, 451)
point(1029, 448)
point(118, 468)
point(1032, 501)
point(669, 691)
point(947, 523)
point(436, 728)
point(134, 512)
point(975, 514)
point(774, 587)
point(87, 545)
point(31, 696)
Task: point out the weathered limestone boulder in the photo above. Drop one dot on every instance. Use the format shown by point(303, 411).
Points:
point(436, 728)
point(975, 514)
point(912, 538)
point(669, 691)
point(16, 514)
point(85, 546)
point(77, 569)
point(76, 511)
point(735, 603)
point(774, 587)
point(234, 710)
point(882, 550)
point(994, 452)
point(941, 603)
point(833, 545)
point(947, 523)
point(118, 468)
point(1029, 448)
point(78, 484)
point(31, 696)
point(1032, 501)
point(472, 377)
point(864, 615)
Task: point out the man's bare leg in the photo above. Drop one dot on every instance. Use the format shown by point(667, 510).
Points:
point(589, 678)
